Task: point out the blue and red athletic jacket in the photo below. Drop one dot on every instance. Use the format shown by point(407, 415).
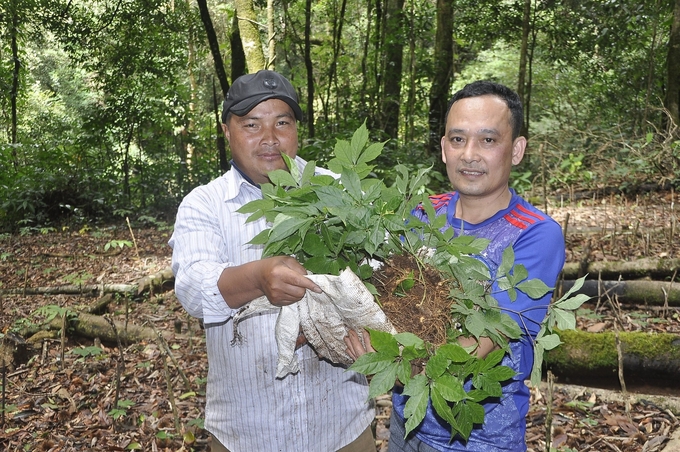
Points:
point(538, 244)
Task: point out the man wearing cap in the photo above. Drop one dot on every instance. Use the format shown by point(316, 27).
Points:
point(323, 407)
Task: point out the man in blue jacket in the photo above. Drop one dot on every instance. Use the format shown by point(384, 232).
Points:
point(481, 144)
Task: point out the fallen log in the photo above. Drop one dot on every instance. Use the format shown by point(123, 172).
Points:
point(594, 354)
point(609, 396)
point(162, 280)
point(95, 326)
point(639, 268)
point(640, 292)
point(74, 289)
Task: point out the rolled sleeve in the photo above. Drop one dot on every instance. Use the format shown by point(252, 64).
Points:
point(202, 250)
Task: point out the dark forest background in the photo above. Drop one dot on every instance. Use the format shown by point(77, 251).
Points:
point(109, 108)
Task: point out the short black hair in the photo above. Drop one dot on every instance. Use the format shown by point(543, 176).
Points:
point(488, 88)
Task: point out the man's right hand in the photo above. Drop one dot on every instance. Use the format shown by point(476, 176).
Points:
point(282, 279)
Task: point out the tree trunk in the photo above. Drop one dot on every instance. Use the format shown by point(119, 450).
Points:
point(409, 132)
point(14, 94)
point(394, 49)
point(672, 100)
point(331, 79)
point(238, 56)
point(524, 50)
point(214, 45)
point(250, 35)
point(640, 268)
point(594, 354)
point(441, 81)
point(271, 37)
point(309, 68)
point(640, 292)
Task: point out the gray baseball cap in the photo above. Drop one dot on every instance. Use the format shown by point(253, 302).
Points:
point(249, 90)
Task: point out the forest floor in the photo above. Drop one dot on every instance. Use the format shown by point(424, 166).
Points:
point(72, 393)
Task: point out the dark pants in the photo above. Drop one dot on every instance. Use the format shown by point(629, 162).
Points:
point(364, 443)
point(399, 444)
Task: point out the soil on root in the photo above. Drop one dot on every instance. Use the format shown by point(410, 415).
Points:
point(414, 297)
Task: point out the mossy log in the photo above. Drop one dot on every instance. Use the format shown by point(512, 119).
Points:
point(640, 292)
point(639, 268)
point(594, 354)
point(95, 326)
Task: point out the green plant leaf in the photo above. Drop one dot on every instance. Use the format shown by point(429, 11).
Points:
point(536, 370)
point(534, 288)
point(507, 261)
point(359, 140)
point(372, 363)
point(371, 152)
point(284, 226)
point(384, 342)
point(572, 303)
point(454, 353)
point(449, 387)
point(500, 373)
point(383, 381)
point(565, 320)
point(315, 246)
point(440, 405)
point(549, 341)
point(409, 339)
point(416, 405)
point(282, 178)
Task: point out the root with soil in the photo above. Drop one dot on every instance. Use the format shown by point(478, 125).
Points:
point(415, 298)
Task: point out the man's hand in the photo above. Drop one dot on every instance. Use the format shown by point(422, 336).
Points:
point(354, 346)
point(283, 281)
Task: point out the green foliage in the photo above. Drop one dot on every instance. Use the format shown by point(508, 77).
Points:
point(117, 244)
point(330, 224)
point(85, 352)
point(50, 312)
point(78, 278)
point(121, 409)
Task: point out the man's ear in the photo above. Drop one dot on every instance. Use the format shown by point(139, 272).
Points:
point(518, 148)
point(441, 143)
point(225, 130)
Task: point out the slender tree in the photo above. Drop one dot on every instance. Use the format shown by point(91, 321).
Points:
point(271, 37)
point(214, 45)
point(394, 50)
point(309, 68)
point(523, 56)
point(672, 99)
point(443, 74)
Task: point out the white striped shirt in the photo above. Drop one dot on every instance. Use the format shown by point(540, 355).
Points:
point(321, 408)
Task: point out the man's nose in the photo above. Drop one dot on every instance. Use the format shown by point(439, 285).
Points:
point(269, 136)
point(470, 151)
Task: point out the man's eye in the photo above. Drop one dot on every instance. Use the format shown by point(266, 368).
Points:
point(489, 140)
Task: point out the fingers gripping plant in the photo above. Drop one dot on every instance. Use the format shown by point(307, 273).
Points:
point(332, 223)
